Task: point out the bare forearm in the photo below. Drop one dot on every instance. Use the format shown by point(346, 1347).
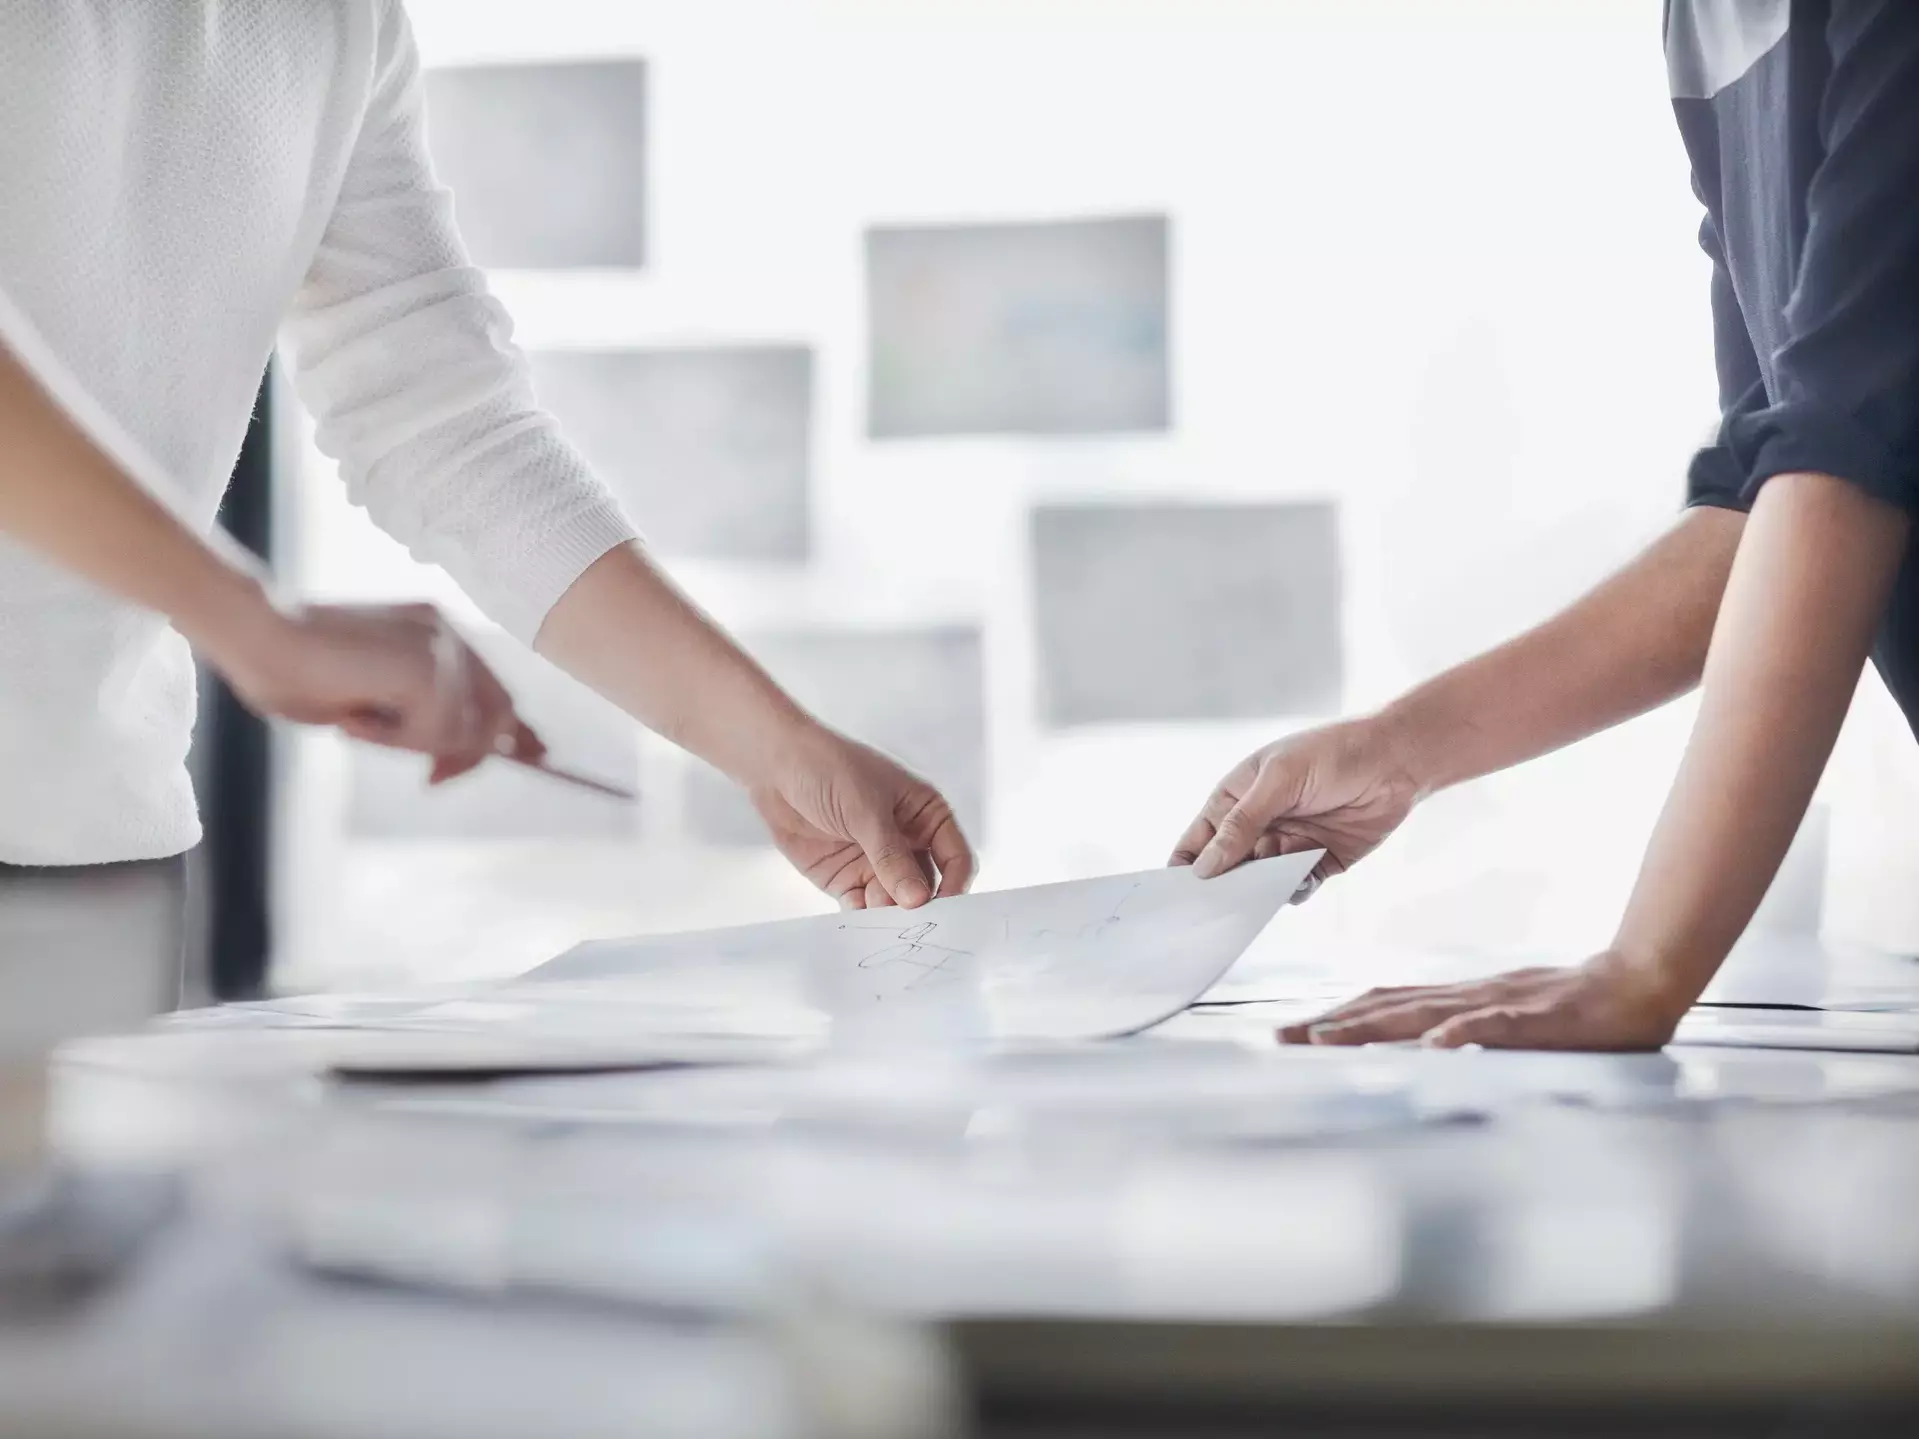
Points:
point(1628, 646)
point(62, 497)
point(1804, 599)
point(624, 629)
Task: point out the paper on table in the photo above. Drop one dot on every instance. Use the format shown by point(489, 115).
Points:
point(1332, 975)
point(1840, 1031)
point(1087, 959)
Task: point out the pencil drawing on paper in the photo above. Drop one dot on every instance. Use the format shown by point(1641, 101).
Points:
point(1092, 930)
point(912, 947)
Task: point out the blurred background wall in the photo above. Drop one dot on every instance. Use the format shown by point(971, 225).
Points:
point(1067, 395)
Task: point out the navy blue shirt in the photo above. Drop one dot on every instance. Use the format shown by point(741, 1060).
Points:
point(1801, 119)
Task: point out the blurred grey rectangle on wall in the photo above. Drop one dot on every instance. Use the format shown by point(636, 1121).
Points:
point(547, 162)
point(388, 796)
point(1187, 611)
point(1029, 329)
point(919, 695)
point(710, 450)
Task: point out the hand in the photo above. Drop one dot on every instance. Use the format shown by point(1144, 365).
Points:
point(859, 826)
point(394, 675)
point(1607, 1003)
point(1341, 788)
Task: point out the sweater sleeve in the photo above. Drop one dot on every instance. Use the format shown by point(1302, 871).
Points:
point(408, 366)
point(1846, 399)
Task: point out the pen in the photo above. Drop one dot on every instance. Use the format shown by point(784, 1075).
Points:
point(504, 750)
point(575, 778)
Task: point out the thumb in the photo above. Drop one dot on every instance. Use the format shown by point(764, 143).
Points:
point(892, 856)
point(1273, 791)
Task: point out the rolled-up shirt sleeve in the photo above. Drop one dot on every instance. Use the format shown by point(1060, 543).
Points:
point(408, 366)
point(1845, 397)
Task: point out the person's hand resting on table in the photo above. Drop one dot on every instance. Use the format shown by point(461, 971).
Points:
point(1779, 638)
point(1775, 614)
point(1607, 1003)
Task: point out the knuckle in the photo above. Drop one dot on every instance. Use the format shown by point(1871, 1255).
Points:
point(891, 852)
point(1237, 827)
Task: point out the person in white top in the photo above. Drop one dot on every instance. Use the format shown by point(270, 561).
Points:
point(179, 184)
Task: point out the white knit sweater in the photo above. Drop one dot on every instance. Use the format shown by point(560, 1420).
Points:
point(178, 180)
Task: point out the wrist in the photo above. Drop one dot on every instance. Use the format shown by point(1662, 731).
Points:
point(755, 740)
point(233, 619)
point(1648, 982)
point(1404, 734)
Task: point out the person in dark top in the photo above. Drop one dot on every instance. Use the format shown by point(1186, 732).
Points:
point(1791, 563)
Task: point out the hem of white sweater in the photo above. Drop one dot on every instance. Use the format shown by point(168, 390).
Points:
point(548, 571)
point(168, 844)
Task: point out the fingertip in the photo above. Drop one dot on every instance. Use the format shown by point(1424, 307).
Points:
point(1348, 1032)
point(1180, 859)
point(1294, 1034)
point(451, 767)
point(527, 745)
point(912, 893)
point(956, 861)
point(1210, 862)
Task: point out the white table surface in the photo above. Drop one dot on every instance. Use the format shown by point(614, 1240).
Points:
point(1693, 1186)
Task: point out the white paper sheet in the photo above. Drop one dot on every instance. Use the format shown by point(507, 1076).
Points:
point(1843, 1032)
point(1087, 959)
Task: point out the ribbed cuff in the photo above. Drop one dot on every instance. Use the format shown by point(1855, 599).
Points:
point(549, 566)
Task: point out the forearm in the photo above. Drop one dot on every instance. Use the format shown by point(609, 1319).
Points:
point(62, 497)
point(627, 631)
point(1804, 599)
point(1628, 646)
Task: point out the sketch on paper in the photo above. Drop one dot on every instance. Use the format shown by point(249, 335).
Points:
point(1078, 960)
point(1083, 960)
point(913, 947)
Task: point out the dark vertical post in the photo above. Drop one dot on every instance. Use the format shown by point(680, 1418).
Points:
point(233, 771)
